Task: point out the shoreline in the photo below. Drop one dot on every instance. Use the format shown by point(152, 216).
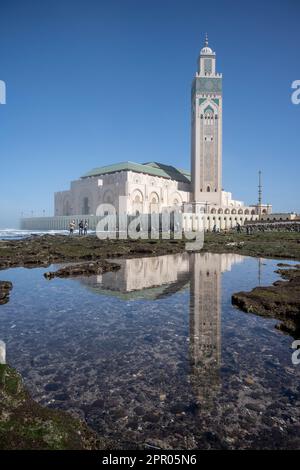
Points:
point(44, 250)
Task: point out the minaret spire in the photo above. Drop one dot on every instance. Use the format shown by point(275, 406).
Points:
point(259, 188)
point(206, 40)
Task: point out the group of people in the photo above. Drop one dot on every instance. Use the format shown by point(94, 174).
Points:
point(82, 227)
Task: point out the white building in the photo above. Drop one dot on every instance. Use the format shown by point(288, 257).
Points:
point(135, 188)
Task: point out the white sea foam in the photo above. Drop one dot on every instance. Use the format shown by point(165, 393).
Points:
point(13, 234)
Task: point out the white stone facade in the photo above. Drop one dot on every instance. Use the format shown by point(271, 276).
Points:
point(128, 191)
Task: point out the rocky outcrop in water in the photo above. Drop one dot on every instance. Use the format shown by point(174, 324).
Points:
point(5, 288)
point(280, 301)
point(50, 249)
point(83, 269)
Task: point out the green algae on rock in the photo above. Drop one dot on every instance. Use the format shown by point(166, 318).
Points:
point(83, 269)
point(26, 425)
point(50, 249)
point(5, 288)
point(284, 245)
point(280, 301)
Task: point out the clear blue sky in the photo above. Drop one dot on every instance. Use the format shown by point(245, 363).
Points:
point(91, 82)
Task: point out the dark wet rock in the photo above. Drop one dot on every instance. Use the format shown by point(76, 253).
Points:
point(5, 288)
point(192, 408)
point(178, 408)
point(139, 410)
point(52, 387)
point(49, 249)
point(254, 407)
point(61, 396)
point(119, 413)
point(214, 440)
point(83, 269)
point(98, 404)
point(152, 417)
point(280, 301)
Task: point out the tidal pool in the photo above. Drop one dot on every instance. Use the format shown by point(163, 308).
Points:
point(155, 355)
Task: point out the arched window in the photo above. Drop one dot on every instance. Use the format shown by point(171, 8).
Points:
point(137, 202)
point(154, 203)
point(208, 189)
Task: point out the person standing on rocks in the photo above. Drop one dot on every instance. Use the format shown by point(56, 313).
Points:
point(80, 225)
point(85, 227)
point(72, 227)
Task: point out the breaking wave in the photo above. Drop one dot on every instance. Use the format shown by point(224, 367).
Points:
point(14, 234)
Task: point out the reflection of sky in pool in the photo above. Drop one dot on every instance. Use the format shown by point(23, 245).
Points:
point(155, 353)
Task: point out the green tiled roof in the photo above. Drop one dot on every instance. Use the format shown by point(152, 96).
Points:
point(151, 168)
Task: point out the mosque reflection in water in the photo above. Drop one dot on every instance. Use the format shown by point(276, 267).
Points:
point(155, 278)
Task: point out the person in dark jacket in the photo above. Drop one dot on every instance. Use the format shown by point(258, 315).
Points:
point(80, 226)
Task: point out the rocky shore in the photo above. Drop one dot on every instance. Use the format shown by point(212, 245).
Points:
point(5, 288)
point(48, 249)
point(261, 244)
point(280, 301)
point(83, 269)
point(26, 425)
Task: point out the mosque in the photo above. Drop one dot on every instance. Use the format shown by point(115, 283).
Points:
point(153, 187)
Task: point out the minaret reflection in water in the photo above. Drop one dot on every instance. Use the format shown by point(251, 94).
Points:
point(205, 321)
point(158, 277)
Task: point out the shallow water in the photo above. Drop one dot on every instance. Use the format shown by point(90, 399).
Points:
point(156, 354)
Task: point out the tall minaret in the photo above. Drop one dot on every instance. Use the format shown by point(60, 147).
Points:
point(206, 132)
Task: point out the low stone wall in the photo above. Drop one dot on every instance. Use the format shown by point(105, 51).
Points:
point(57, 222)
point(187, 221)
